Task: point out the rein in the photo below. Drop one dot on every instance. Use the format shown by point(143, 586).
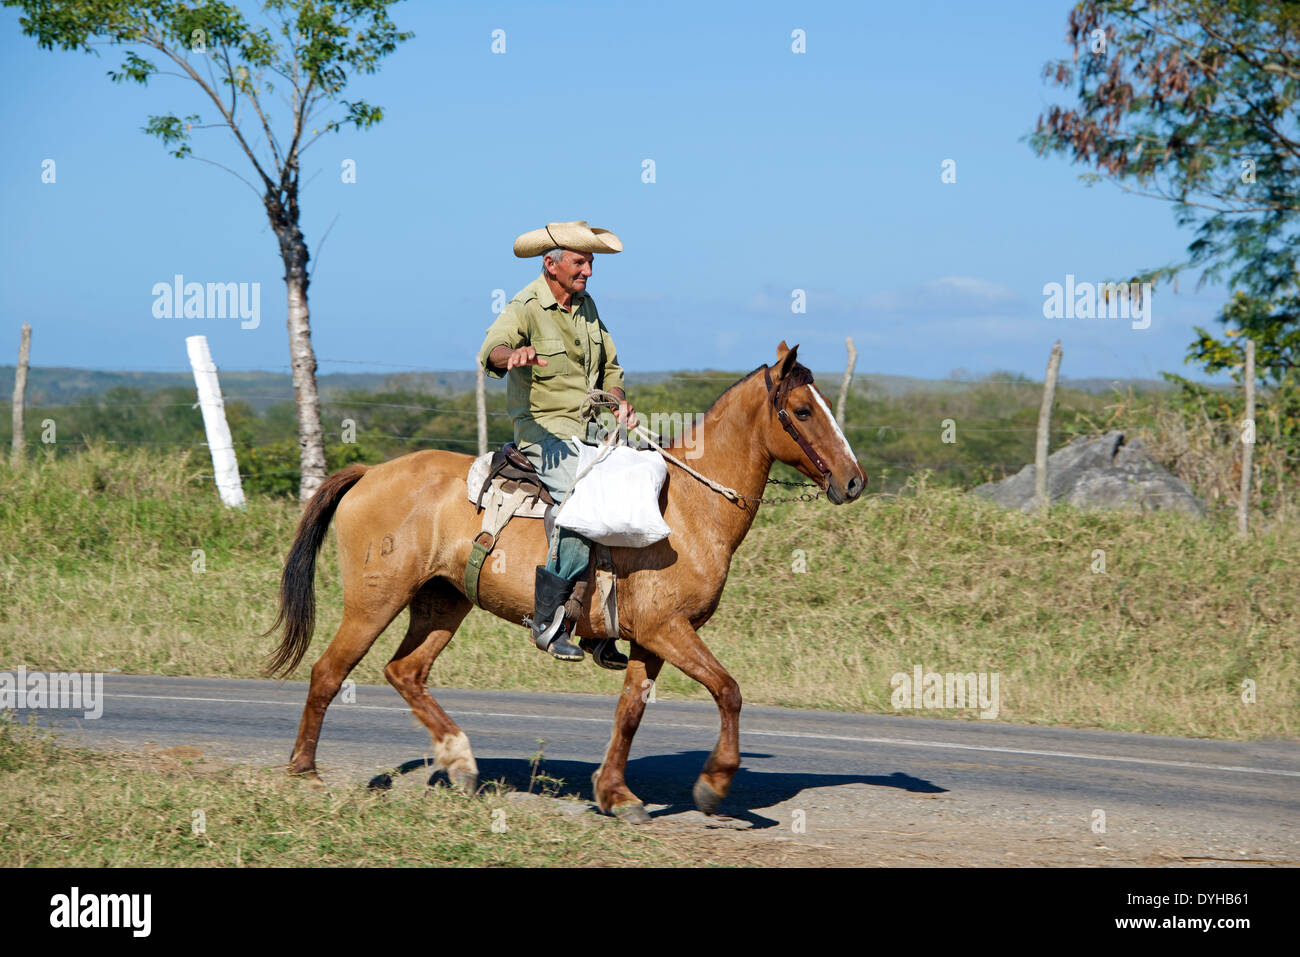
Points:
point(599, 397)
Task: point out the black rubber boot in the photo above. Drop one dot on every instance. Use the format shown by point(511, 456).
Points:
point(604, 651)
point(550, 631)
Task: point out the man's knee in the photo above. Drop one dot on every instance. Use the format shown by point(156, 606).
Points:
point(556, 465)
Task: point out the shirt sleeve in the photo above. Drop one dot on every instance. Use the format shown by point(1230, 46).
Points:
point(508, 330)
point(612, 374)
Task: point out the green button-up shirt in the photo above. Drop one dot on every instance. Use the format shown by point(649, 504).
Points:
point(579, 353)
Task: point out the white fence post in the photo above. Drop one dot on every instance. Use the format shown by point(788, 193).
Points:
point(480, 403)
point(1247, 442)
point(846, 383)
point(20, 394)
point(1041, 498)
point(224, 467)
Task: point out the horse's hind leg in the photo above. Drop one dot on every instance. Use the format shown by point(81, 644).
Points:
point(609, 786)
point(436, 612)
point(356, 634)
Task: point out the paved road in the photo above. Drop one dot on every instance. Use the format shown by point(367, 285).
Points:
point(957, 791)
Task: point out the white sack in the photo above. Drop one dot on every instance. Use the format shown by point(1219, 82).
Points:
point(617, 501)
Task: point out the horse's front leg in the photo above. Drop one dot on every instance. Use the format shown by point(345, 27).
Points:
point(676, 642)
point(609, 786)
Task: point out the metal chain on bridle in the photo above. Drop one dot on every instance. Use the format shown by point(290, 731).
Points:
point(599, 398)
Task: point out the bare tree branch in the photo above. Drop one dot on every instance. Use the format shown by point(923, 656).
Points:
point(160, 45)
point(320, 246)
point(202, 159)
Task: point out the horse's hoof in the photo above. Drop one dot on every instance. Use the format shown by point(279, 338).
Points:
point(309, 777)
point(465, 780)
point(706, 799)
point(633, 812)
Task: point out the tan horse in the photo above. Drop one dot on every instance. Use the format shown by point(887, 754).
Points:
point(404, 533)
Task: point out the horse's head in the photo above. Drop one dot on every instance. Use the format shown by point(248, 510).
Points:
point(803, 432)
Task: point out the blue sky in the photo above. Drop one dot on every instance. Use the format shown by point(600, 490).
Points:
point(774, 171)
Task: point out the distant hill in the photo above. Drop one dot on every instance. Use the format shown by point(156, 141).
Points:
point(53, 385)
point(62, 386)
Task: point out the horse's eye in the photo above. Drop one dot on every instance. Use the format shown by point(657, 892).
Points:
point(803, 413)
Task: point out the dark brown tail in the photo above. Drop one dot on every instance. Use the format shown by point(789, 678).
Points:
point(298, 583)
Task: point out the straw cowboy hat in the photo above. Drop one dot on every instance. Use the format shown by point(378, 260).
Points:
point(576, 235)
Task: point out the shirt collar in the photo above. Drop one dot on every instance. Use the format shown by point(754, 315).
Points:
point(546, 298)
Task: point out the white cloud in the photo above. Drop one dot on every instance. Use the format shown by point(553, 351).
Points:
point(971, 287)
point(945, 296)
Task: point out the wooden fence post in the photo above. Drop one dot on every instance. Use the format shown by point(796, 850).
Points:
point(224, 467)
point(1041, 500)
point(20, 396)
point(1247, 442)
point(842, 404)
point(480, 394)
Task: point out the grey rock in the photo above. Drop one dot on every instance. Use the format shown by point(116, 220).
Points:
point(1099, 472)
point(560, 805)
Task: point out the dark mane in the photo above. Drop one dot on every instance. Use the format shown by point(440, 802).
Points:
point(799, 375)
point(742, 379)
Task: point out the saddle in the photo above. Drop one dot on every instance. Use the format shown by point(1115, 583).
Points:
point(504, 485)
point(515, 472)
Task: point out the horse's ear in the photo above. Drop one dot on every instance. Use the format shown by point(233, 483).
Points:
point(785, 360)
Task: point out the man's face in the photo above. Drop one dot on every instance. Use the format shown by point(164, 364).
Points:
point(572, 271)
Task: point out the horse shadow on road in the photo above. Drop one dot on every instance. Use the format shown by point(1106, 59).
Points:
point(667, 779)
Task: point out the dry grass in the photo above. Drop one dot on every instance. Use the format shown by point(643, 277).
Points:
point(71, 807)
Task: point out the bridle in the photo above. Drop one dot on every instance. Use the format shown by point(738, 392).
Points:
point(777, 396)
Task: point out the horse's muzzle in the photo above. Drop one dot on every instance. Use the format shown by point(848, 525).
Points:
point(838, 496)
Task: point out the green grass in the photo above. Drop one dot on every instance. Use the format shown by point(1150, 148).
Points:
point(63, 806)
point(97, 572)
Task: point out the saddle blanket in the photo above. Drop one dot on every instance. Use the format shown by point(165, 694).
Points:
point(495, 496)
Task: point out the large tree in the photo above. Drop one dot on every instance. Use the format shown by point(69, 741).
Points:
point(1195, 102)
point(306, 50)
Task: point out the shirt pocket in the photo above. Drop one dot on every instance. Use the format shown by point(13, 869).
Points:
point(552, 350)
point(595, 347)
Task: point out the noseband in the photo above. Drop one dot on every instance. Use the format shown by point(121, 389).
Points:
point(777, 397)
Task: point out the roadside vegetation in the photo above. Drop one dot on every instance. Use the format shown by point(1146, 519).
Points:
point(63, 806)
point(961, 431)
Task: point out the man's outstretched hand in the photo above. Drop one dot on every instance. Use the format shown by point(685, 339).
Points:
point(505, 358)
point(524, 356)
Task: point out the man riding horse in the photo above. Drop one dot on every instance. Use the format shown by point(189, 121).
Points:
point(551, 345)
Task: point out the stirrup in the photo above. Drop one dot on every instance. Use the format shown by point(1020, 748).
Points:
point(543, 637)
point(554, 640)
point(604, 651)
